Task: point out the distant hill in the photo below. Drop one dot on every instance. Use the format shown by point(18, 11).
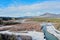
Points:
point(50, 15)
point(26, 17)
point(8, 18)
point(5, 18)
point(45, 15)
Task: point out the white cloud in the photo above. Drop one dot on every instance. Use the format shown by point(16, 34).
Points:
point(34, 9)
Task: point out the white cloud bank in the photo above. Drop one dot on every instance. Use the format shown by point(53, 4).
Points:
point(31, 10)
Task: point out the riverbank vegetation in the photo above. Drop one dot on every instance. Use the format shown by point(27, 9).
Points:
point(47, 20)
point(53, 20)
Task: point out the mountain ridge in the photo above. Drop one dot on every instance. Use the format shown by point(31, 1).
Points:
point(50, 15)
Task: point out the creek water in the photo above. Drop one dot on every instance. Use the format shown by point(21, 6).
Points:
point(48, 36)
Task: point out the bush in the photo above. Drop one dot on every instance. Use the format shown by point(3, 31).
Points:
point(7, 37)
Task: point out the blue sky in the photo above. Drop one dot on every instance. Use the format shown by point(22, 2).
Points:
point(18, 8)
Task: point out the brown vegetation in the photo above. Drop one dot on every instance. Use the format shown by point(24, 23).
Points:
point(26, 26)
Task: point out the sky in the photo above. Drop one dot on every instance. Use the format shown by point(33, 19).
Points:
point(20, 8)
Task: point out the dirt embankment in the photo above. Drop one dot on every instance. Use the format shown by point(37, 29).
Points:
point(29, 26)
point(26, 26)
point(57, 26)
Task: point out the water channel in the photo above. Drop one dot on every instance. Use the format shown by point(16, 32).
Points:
point(48, 35)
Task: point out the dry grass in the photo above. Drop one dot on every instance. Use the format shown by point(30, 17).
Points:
point(53, 20)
